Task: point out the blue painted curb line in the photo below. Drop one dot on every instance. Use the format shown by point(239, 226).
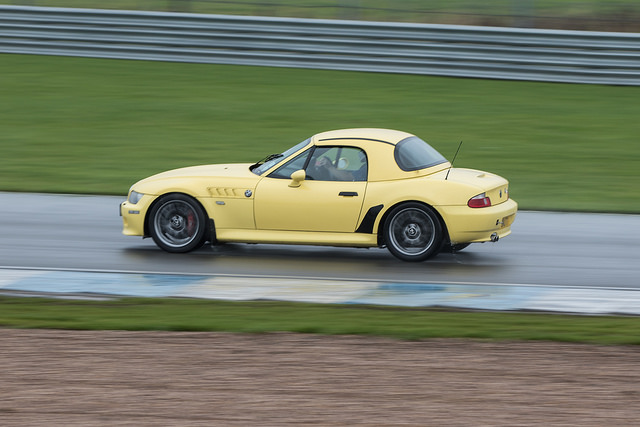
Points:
point(245, 288)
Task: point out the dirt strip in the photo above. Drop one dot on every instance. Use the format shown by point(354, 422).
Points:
point(80, 378)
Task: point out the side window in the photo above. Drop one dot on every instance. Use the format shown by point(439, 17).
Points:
point(338, 164)
point(297, 163)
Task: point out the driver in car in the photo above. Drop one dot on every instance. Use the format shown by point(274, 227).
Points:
point(344, 175)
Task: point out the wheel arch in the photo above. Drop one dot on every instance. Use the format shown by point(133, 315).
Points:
point(210, 231)
point(385, 215)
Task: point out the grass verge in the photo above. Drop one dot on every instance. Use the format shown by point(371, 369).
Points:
point(95, 126)
point(263, 317)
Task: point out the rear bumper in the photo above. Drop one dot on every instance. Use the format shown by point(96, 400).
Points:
point(471, 225)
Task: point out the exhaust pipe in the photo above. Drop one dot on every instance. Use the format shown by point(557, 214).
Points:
point(494, 237)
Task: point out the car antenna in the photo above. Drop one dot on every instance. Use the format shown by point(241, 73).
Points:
point(454, 159)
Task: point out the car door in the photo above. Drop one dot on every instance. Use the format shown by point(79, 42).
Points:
point(329, 199)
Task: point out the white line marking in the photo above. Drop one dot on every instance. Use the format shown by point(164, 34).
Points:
point(339, 279)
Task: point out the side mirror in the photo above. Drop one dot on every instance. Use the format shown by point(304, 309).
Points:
point(297, 177)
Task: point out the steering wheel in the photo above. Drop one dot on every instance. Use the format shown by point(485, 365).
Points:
point(320, 173)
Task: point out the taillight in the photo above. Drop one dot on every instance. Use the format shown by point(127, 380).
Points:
point(479, 201)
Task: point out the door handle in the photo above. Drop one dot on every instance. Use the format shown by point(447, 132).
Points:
point(348, 194)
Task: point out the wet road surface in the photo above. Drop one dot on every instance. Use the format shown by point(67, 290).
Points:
point(559, 249)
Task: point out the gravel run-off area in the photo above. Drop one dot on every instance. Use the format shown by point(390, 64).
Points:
point(100, 378)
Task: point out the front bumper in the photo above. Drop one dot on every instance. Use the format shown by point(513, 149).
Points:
point(133, 216)
point(471, 225)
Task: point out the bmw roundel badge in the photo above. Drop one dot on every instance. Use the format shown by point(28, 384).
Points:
point(248, 193)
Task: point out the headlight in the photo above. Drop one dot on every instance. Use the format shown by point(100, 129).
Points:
point(134, 197)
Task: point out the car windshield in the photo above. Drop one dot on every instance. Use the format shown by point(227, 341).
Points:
point(265, 164)
point(413, 153)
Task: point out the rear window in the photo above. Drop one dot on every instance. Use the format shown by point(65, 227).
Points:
point(413, 153)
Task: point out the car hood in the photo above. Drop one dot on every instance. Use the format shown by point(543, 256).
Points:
point(207, 171)
point(202, 181)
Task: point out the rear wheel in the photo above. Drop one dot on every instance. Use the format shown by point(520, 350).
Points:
point(413, 232)
point(177, 223)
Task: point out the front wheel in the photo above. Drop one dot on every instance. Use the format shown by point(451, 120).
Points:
point(177, 223)
point(413, 232)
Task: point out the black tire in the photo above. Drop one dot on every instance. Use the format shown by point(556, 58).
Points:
point(413, 232)
point(177, 223)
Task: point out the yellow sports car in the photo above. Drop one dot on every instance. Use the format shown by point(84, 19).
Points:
point(351, 187)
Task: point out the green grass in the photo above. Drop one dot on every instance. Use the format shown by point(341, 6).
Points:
point(78, 125)
point(262, 317)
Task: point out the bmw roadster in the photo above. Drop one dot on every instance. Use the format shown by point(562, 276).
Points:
point(351, 187)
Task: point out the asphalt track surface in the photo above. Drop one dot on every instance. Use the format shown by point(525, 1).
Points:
point(554, 249)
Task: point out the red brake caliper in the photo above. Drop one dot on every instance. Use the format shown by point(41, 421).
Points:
point(190, 223)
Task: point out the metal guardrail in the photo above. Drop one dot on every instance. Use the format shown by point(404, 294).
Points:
point(445, 50)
